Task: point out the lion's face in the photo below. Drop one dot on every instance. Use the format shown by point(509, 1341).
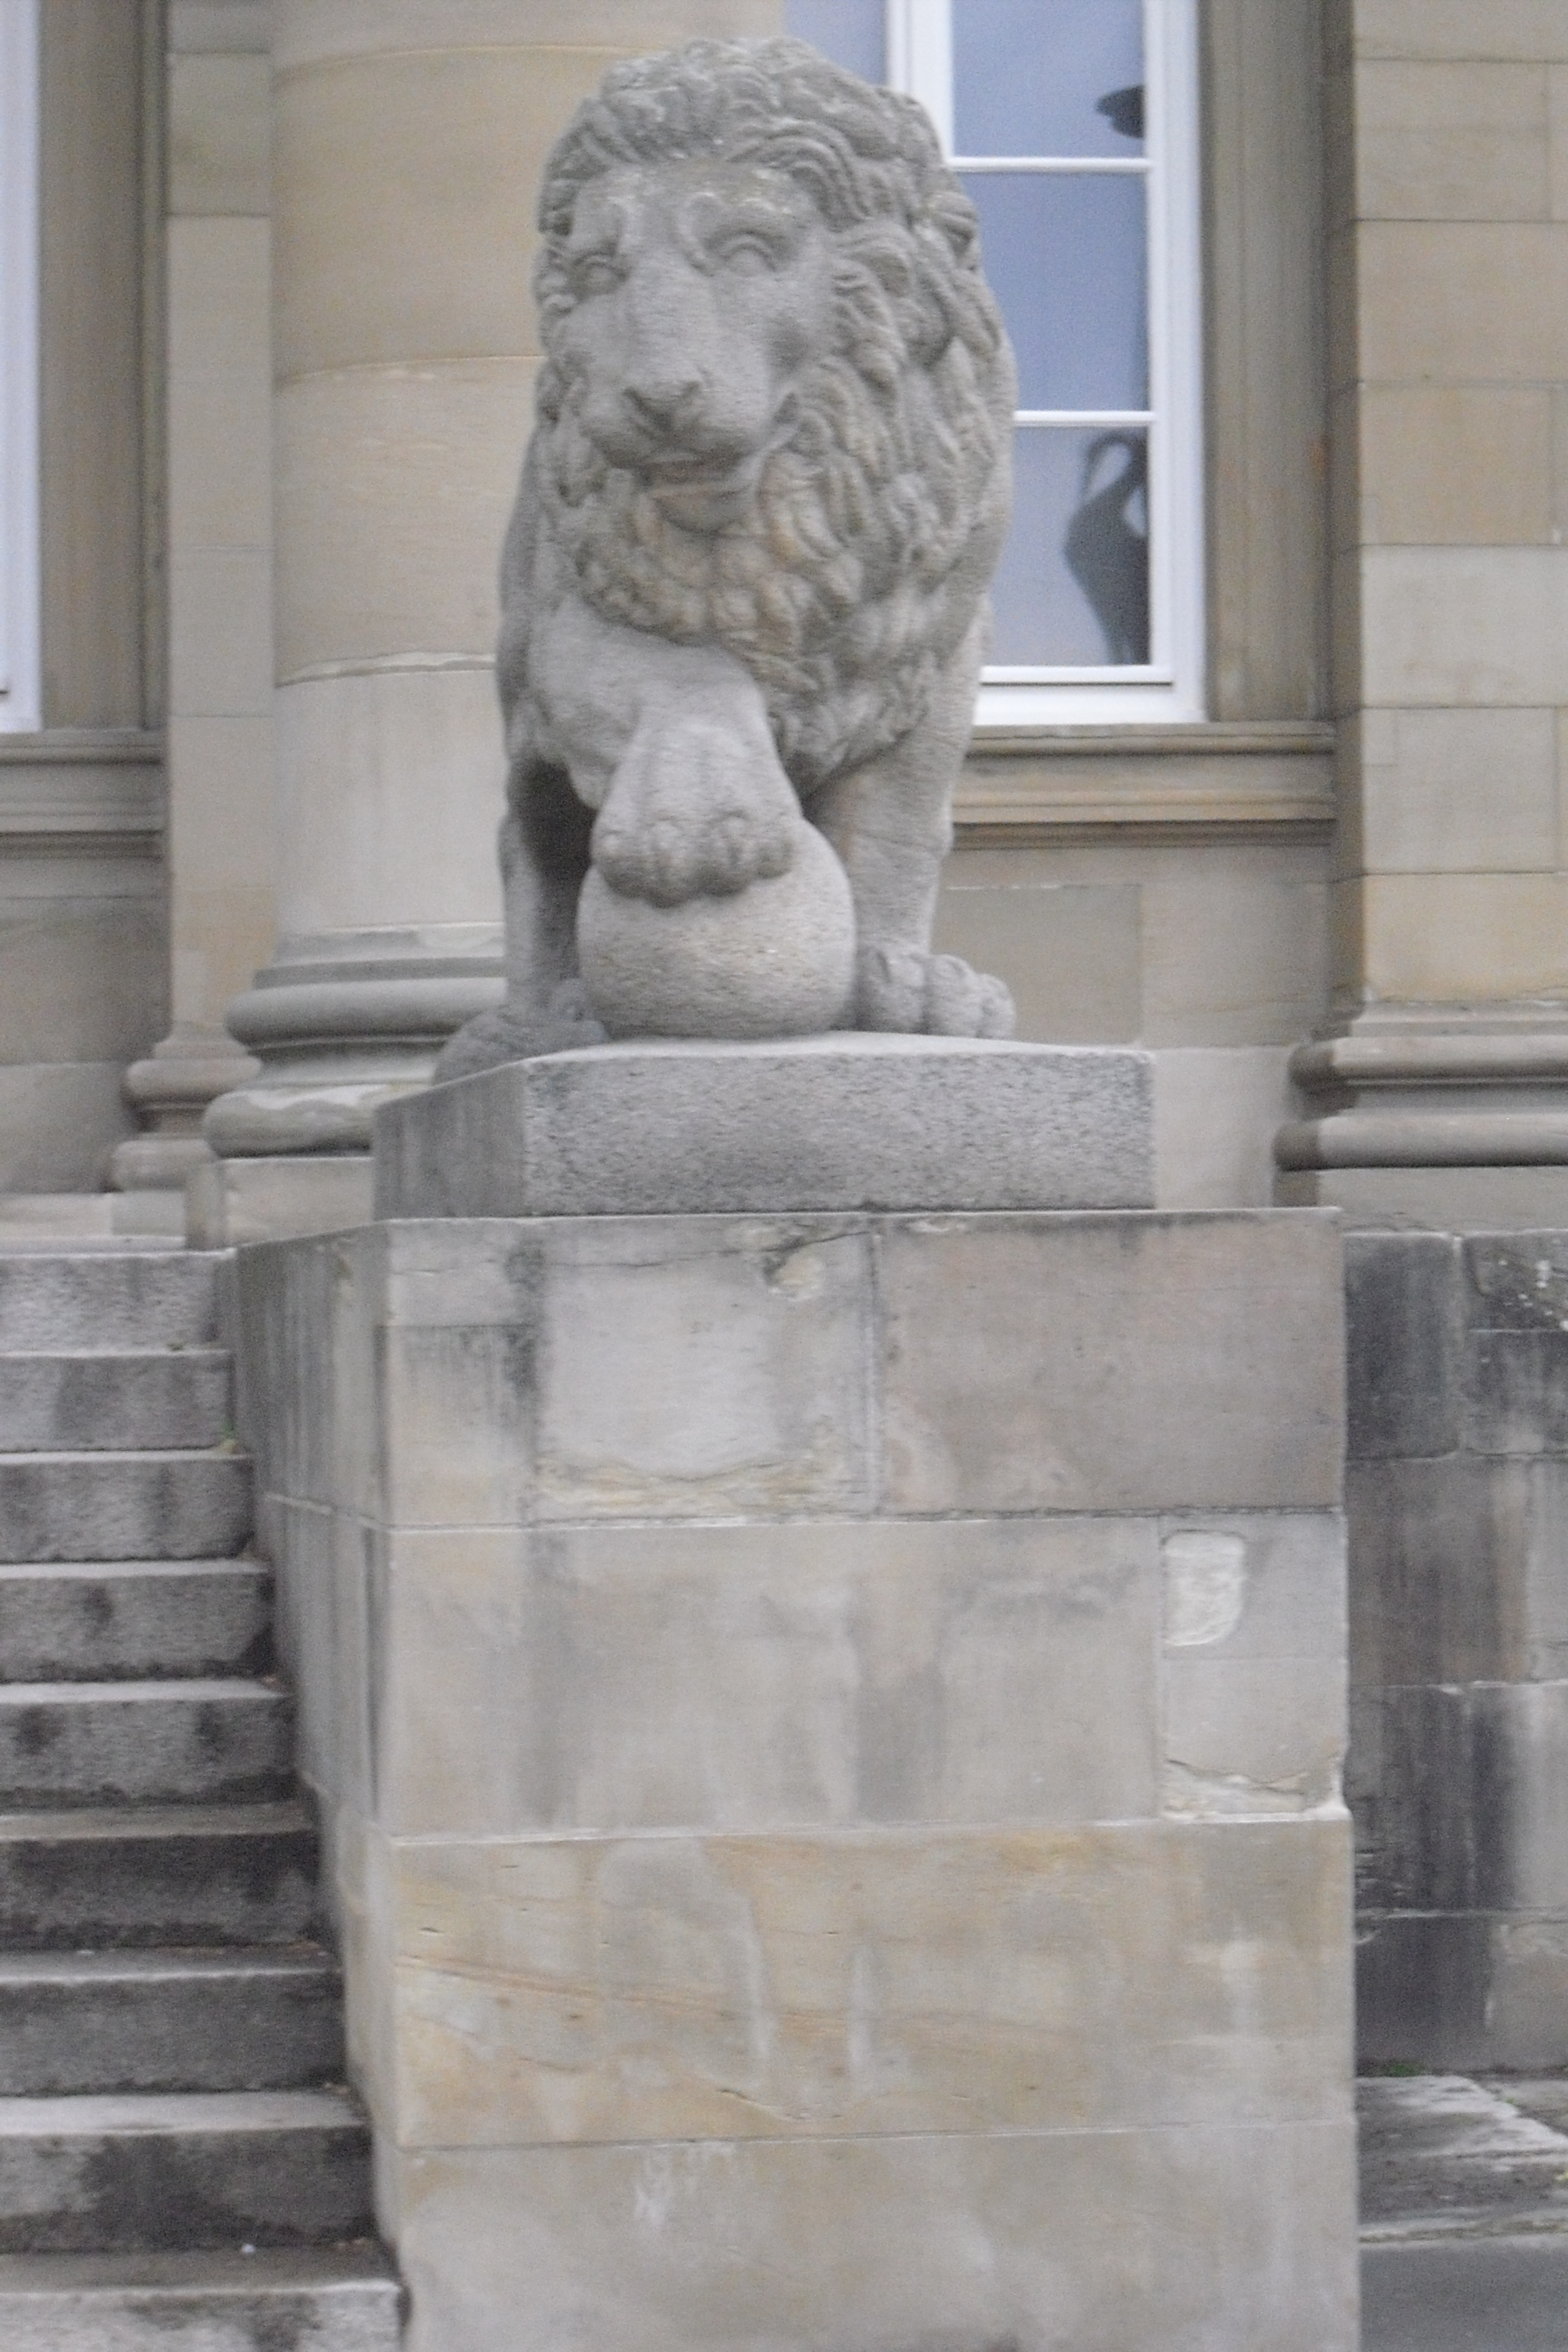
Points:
point(701, 292)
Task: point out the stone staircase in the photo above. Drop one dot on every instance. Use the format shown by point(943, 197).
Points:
point(181, 2169)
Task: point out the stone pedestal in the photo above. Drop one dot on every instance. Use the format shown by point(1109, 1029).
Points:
point(829, 1727)
point(228, 1202)
point(847, 1121)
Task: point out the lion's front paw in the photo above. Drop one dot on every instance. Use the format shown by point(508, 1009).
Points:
point(699, 808)
point(908, 992)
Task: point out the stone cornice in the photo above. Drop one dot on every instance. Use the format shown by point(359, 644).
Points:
point(1172, 784)
point(76, 792)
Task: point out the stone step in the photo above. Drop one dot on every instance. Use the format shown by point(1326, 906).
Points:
point(80, 2021)
point(187, 2171)
point(301, 2300)
point(107, 1402)
point(229, 1875)
point(133, 1620)
point(89, 1507)
point(223, 1741)
point(121, 1298)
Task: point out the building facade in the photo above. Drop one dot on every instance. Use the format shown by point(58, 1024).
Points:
point(284, 351)
point(1295, 825)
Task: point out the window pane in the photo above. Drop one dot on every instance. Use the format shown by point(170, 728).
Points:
point(1066, 258)
point(1072, 588)
point(853, 33)
point(1046, 77)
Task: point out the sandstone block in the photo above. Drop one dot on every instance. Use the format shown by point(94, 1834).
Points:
point(1113, 1363)
point(755, 1677)
point(879, 1982)
point(1241, 2241)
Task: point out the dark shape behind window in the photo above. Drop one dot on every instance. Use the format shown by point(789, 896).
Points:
point(1124, 110)
point(1106, 554)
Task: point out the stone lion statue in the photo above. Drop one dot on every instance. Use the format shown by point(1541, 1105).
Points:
point(743, 587)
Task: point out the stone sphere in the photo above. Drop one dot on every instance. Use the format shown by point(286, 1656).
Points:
point(776, 960)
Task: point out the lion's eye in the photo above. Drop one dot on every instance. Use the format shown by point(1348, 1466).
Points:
point(595, 274)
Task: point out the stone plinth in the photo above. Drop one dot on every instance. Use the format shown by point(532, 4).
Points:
point(828, 1729)
point(1449, 1117)
point(228, 1202)
point(847, 1121)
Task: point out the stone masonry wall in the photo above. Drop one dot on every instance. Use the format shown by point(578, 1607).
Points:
point(1457, 1499)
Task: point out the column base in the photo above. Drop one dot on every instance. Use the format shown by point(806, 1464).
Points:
point(1440, 1200)
point(230, 1202)
point(1434, 1114)
point(171, 1090)
point(340, 1026)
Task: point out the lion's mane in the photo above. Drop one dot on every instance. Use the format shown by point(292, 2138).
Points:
point(875, 527)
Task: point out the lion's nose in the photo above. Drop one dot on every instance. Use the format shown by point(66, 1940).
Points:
point(663, 407)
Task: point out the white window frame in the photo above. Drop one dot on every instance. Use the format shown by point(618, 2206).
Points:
point(1170, 687)
point(19, 583)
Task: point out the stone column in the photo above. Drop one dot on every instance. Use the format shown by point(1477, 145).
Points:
point(220, 634)
point(1443, 1093)
point(410, 136)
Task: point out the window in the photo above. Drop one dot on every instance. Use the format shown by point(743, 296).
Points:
point(1073, 127)
point(18, 366)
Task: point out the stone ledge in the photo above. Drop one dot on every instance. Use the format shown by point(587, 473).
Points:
point(80, 790)
point(846, 1121)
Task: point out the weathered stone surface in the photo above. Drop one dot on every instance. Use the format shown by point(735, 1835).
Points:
point(113, 1507)
point(201, 1742)
point(1263, 1736)
point(839, 1123)
point(234, 1875)
point(1439, 1550)
point(1111, 1363)
point(1254, 1584)
point(1242, 2238)
point(1459, 1643)
point(56, 1301)
point(1462, 1988)
point(1252, 1681)
point(573, 1367)
point(103, 1621)
point(715, 1750)
point(106, 1401)
point(754, 1677)
point(74, 2023)
point(330, 2302)
point(219, 2168)
point(775, 959)
point(232, 1202)
point(1404, 1318)
point(1456, 1789)
point(601, 1989)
